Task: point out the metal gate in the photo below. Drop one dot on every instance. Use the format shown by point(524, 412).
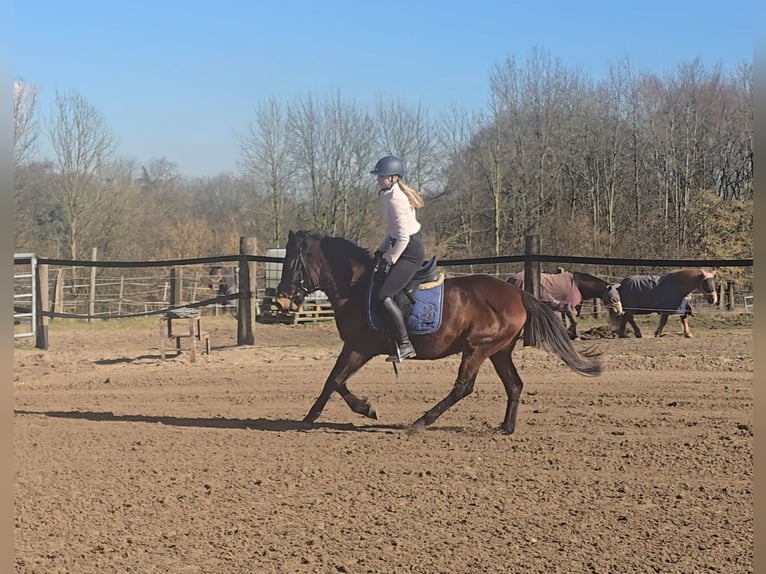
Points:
point(24, 295)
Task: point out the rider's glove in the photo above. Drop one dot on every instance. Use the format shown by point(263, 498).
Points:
point(377, 260)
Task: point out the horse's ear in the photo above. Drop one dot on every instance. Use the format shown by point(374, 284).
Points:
point(290, 235)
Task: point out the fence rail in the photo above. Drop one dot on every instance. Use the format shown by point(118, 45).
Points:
point(134, 293)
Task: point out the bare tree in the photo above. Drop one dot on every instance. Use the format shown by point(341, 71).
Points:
point(267, 160)
point(82, 144)
point(450, 213)
point(408, 132)
point(24, 122)
point(333, 143)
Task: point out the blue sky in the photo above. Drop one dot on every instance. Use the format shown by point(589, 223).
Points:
point(180, 80)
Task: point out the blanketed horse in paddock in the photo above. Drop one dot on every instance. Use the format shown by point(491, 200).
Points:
point(664, 294)
point(592, 287)
point(564, 292)
point(224, 280)
point(483, 317)
point(559, 292)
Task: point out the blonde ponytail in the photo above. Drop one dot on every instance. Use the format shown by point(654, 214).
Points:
point(416, 200)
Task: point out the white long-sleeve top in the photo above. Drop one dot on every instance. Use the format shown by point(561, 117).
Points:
point(400, 222)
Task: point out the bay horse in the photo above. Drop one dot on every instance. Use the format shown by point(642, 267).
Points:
point(664, 294)
point(483, 317)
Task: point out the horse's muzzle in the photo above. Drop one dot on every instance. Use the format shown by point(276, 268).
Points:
point(616, 310)
point(283, 303)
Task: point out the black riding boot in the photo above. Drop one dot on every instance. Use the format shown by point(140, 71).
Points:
point(404, 348)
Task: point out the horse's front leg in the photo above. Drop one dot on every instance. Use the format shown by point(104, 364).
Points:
point(572, 322)
point(348, 362)
point(661, 326)
point(622, 329)
point(636, 331)
point(685, 325)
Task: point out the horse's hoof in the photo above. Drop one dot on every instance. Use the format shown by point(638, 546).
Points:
point(372, 413)
point(309, 420)
point(416, 428)
point(688, 335)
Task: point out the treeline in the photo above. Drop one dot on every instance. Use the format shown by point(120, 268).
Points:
point(630, 165)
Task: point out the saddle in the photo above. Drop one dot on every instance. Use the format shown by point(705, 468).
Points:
point(426, 273)
point(406, 297)
point(427, 276)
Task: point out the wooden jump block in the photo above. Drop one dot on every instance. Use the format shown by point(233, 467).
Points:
point(195, 334)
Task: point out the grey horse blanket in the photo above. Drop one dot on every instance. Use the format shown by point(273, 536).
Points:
point(556, 288)
point(653, 294)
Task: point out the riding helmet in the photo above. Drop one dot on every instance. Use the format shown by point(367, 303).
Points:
point(389, 165)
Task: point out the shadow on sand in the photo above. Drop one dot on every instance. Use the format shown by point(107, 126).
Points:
point(273, 425)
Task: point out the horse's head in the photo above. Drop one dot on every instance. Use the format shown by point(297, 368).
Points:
point(300, 270)
point(611, 300)
point(214, 278)
point(707, 286)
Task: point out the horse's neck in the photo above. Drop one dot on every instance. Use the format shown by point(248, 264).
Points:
point(341, 291)
point(595, 287)
point(688, 281)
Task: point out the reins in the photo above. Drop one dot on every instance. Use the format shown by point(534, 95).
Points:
point(304, 287)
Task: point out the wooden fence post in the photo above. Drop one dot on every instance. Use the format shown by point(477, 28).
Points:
point(194, 287)
point(175, 286)
point(58, 292)
point(247, 288)
point(92, 292)
point(730, 295)
point(41, 328)
point(531, 270)
point(122, 292)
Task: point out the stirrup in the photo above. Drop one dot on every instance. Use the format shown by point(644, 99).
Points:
point(397, 356)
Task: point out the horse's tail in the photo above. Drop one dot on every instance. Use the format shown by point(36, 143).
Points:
point(545, 330)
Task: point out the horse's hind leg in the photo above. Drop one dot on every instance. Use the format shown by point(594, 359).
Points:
point(513, 384)
point(466, 377)
point(348, 362)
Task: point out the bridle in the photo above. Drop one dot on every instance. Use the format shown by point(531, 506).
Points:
point(303, 283)
point(708, 285)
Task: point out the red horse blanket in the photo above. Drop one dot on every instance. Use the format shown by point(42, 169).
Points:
point(556, 288)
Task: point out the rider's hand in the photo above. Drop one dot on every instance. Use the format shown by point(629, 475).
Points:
point(377, 260)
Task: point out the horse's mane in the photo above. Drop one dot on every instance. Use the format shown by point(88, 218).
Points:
point(695, 270)
point(338, 246)
point(585, 275)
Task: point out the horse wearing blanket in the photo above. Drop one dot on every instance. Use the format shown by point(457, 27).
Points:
point(665, 294)
point(559, 291)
